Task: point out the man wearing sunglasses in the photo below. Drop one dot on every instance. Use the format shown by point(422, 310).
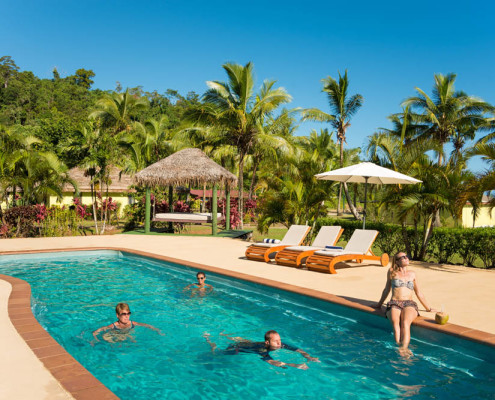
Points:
point(201, 287)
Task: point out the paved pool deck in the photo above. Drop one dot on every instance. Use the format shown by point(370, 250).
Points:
point(464, 293)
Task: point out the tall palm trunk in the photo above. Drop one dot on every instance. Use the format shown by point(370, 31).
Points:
point(240, 200)
point(253, 180)
point(346, 191)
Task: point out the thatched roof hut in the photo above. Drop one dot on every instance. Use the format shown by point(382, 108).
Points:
point(186, 167)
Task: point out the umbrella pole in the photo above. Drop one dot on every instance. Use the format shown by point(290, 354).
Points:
point(365, 197)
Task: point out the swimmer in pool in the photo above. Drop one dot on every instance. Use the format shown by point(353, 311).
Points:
point(272, 343)
point(201, 287)
point(119, 331)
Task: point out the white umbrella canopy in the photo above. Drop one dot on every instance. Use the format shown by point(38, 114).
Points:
point(367, 172)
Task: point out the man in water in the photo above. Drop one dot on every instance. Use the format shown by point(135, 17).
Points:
point(201, 287)
point(272, 342)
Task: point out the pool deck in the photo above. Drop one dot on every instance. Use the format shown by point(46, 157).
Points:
point(464, 293)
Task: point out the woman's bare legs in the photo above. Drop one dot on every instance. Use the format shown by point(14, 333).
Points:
point(394, 316)
point(408, 316)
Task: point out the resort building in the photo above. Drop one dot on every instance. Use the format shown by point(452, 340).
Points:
point(119, 189)
point(486, 217)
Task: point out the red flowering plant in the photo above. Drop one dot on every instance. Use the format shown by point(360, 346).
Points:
point(41, 212)
point(23, 221)
point(82, 210)
point(235, 218)
point(181, 207)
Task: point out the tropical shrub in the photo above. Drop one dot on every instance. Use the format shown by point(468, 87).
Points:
point(444, 244)
point(485, 239)
point(21, 221)
point(61, 221)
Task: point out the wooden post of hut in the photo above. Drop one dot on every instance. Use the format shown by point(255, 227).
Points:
point(147, 222)
point(171, 206)
point(227, 208)
point(214, 209)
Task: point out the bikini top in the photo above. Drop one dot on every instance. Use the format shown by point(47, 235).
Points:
point(123, 329)
point(400, 283)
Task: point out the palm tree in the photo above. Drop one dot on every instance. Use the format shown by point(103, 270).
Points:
point(342, 108)
point(447, 116)
point(293, 194)
point(117, 110)
point(272, 143)
point(235, 110)
point(152, 139)
point(98, 149)
point(38, 173)
point(487, 178)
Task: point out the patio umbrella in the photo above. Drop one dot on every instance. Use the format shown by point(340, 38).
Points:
point(367, 172)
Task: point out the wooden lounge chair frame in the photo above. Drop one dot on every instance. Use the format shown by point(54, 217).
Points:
point(263, 253)
point(296, 258)
point(326, 263)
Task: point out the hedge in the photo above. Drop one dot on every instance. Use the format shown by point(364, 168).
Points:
point(445, 243)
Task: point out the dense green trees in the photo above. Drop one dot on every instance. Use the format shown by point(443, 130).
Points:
point(50, 125)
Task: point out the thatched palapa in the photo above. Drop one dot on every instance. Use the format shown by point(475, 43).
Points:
point(186, 167)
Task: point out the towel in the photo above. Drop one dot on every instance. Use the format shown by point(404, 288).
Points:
point(271, 241)
point(334, 247)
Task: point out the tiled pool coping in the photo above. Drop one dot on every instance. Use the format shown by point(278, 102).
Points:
point(81, 384)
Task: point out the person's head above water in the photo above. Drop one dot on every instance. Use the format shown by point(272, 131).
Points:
point(123, 312)
point(272, 340)
point(201, 277)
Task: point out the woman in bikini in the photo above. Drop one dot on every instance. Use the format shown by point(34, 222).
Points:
point(402, 309)
point(120, 329)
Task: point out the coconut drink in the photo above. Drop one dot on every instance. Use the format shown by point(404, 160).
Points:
point(441, 317)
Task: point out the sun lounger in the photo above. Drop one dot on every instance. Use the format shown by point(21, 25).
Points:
point(358, 248)
point(186, 218)
point(295, 256)
point(266, 251)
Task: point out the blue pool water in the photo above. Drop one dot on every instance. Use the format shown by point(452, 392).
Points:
point(75, 293)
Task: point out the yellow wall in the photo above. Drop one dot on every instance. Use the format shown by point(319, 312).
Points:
point(121, 198)
point(484, 217)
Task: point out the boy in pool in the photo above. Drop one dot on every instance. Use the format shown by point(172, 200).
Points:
point(201, 287)
point(119, 331)
point(272, 342)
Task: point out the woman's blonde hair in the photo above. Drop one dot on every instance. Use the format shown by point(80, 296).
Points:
point(122, 307)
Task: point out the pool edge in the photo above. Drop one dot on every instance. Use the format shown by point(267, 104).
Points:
point(81, 384)
point(71, 375)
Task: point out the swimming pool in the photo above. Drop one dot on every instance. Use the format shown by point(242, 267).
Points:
point(75, 293)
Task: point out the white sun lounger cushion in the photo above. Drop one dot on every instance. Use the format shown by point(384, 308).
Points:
point(293, 237)
point(202, 217)
point(327, 235)
point(359, 243)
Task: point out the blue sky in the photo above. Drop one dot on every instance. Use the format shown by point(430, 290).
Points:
point(388, 47)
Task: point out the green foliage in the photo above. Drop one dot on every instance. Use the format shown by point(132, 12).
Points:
point(61, 222)
point(21, 221)
point(485, 246)
point(444, 244)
